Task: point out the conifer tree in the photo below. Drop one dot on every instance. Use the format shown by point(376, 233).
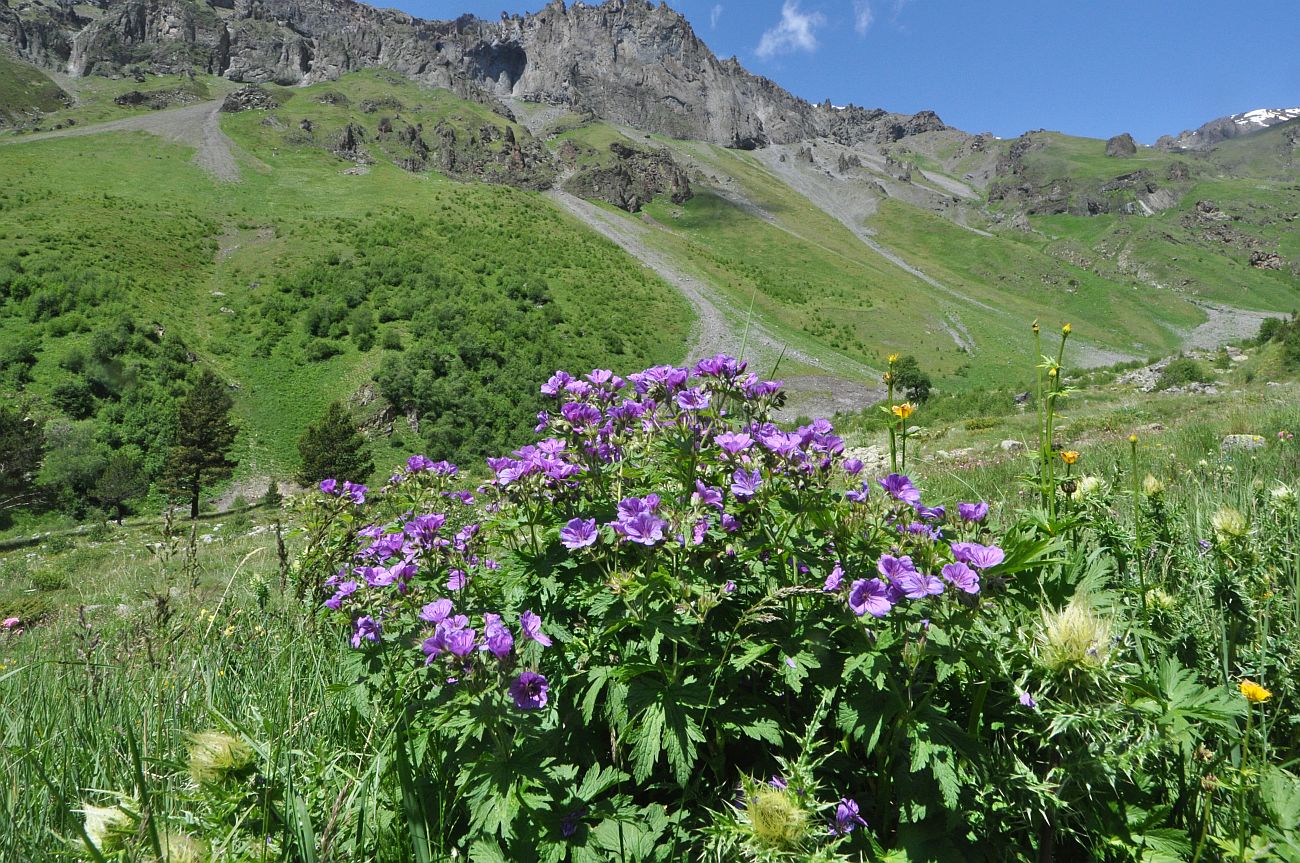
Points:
point(204, 436)
point(123, 479)
point(333, 448)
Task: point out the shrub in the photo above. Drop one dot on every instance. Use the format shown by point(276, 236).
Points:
point(1181, 372)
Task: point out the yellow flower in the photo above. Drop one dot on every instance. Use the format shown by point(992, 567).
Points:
point(1132, 438)
point(1070, 456)
point(1065, 330)
point(1034, 326)
point(1051, 373)
point(903, 411)
point(1254, 693)
point(893, 358)
point(888, 378)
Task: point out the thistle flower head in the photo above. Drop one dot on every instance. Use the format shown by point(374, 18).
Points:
point(215, 755)
point(108, 827)
point(1088, 487)
point(893, 358)
point(776, 818)
point(1073, 639)
point(1229, 525)
point(1152, 487)
point(1283, 495)
point(180, 848)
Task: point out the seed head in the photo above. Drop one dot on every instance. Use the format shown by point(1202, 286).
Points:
point(1073, 640)
point(1229, 524)
point(1152, 487)
point(108, 827)
point(215, 755)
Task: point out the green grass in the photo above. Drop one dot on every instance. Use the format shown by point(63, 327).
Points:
point(26, 92)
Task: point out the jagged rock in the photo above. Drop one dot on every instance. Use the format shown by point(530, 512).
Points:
point(629, 62)
point(488, 157)
point(250, 98)
point(350, 142)
point(635, 177)
point(849, 161)
point(805, 155)
point(305, 125)
point(1178, 172)
point(155, 100)
point(1265, 260)
point(1121, 146)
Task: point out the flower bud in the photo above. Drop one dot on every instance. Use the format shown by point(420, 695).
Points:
point(1152, 486)
point(1065, 330)
point(1229, 524)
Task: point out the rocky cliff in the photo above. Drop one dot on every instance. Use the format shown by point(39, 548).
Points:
point(626, 61)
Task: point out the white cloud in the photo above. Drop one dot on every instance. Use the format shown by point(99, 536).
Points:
point(714, 14)
point(794, 32)
point(862, 16)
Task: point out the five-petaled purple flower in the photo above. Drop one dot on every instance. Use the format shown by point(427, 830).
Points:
point(870, 596)
point(978, 556)
point(1028, 700)
point(900, 488)
point(578, 533)
point(733, 443)
point(529, 691)
point(497, 640)
point(366, 628)
point(834, 579)
point(745, 483)
point(973, 512)
point(693, 399)
point(962, 577)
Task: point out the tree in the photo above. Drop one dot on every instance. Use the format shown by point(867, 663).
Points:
point(908, 376)
point(333, 448)
point(123, 479)
point(21, 448)
point(74, 459)
point(204, 437)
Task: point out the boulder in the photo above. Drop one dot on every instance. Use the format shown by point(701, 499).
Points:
point(250, 98)
point(1121, 146)
point(1239, 442)
point(1012, 446)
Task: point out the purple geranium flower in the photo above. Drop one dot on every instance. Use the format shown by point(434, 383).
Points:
point(707, 495)
point(918, 585)
point(644, 528)
point(366, 628)
point(531, 625)
point(345, 589)
point(693, 399)
point(858, 495)
point(745, 483)
point(847, 818)
point(978, 556)
point(329, 486)
point(870, 596)
point(578, 533)
point(853, 466)
point(900, 488)
point(436, 611)
point(1028, 700)
point(529, 691)
point(834, 579)
point(733, 442)
point(962, 577)
point(496, 638)
point(891, 567)
point(973, 512)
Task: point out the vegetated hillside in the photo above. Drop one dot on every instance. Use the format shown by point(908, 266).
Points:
point(325, 264)
point(26, 93)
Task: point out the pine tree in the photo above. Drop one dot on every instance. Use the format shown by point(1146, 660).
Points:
point(204, 436)
point(123, 479)
point(22, 446)
point(333, 448)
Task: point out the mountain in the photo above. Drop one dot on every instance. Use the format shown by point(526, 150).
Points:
point(321, 200)
point(1223, 129)
point(626, 61)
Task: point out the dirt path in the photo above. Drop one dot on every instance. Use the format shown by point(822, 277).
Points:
point(720, 326)
point(197, 126)
point(1225, 325)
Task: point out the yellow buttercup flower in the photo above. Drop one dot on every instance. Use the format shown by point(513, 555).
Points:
point(1254, 693)
point(1132, 438)
point(893, 358)
point(1070, 456)
point(1065, 330)
point(903, 411)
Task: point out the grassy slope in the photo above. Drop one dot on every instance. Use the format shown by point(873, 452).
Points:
point(189, 247)
point(25, 91)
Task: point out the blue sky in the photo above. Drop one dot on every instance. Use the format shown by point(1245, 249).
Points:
point(1087, 67)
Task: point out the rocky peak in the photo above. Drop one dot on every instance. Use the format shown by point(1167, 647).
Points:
point(627, 61)
point(1215, 132)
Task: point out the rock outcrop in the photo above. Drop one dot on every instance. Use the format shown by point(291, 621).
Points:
point(250, 98)
point(633, 179)
point(627, 61)
point(1121, 146)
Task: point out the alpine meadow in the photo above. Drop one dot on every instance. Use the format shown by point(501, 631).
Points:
point(537, 439)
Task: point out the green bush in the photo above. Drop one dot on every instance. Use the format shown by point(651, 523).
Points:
point(1181, 372)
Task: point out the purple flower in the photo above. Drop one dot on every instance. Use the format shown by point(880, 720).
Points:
point(366, 628)
point(918, 585)
point(781, 443)
point(644, 528)
point(718, 366)
point(973, 512)
point(858, 495)
point(356, 492)
point(345, 589)
point(853, 466)
point(730, 523)
point(570, 823)
point(733, 442)
point(978, 556)
point(456, 579)
point(556, 383)
point(529, 691)
point(891, 567)
point(497, 639)
point(531, 626)
point(460, 642)
point(778, 783)
point(870, 596)
point(729, 587)
point(847, 818)
point(745, 483)
point(436, 611)
point(932, 513)
point(834, 579)
point(578, 533)
point(900, 488)
point(693, 399)
point(418, 464)
point(1028, 700)
point(962, 577)
point(707, 495)
point(329, 486)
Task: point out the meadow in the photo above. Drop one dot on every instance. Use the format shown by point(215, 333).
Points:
point(703, 637)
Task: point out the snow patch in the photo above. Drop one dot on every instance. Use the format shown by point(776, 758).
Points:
point(1266, 116)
